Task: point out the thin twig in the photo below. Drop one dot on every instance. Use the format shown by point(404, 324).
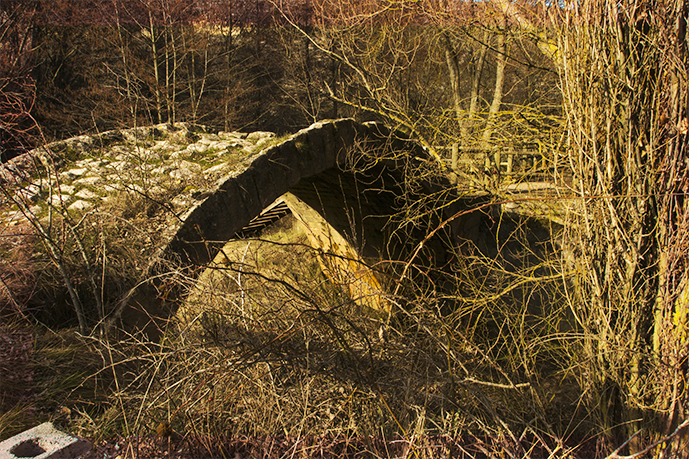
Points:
point(615, 454)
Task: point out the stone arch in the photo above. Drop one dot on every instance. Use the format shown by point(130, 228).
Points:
point(242, 195)
point(291, 165)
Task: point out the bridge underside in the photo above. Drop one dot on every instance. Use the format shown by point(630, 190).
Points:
point(354, 220)
point(357, 215)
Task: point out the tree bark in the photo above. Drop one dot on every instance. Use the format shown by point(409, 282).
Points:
point(501, 57)
point(154, 60)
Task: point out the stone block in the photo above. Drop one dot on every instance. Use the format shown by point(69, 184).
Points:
point(273, 176)
point(344, 138)
point(322, 148)
point(291, 159)
point(286, 157)
point(44, 442)
point(232, 211)
point(248, 193)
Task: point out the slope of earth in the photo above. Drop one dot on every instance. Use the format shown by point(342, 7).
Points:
point(126, 188)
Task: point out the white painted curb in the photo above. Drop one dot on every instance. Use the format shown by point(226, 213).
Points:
point(44, 442)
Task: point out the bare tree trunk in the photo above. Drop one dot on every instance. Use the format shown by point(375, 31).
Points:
point(628, 138)
point(127, 77)
point(495, 105)
point(169, 87)
point(228, 47)
point(475, 85)
point(154, 57)
point(453, 70)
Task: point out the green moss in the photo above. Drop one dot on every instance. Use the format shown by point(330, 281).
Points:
point(260, 146)
point(71, 154)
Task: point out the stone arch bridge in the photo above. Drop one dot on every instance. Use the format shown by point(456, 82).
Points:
point(343, 181)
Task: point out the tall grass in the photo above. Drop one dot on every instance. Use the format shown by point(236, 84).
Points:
point(478, 350)
point(266, 345)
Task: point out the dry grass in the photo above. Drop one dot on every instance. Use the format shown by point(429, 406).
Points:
point(477, 352)
point(267, 347)
point(480, 353)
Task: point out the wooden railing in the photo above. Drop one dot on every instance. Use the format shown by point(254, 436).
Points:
point(479, 158)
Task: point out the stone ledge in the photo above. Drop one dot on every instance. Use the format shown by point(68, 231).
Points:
point(45, 442)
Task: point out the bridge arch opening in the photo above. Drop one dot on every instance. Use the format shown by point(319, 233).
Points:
point(344, 181)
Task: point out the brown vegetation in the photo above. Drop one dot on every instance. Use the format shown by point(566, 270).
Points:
point(548, 339)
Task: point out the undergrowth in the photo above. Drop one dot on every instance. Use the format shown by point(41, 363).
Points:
point(477, 348)
point(266, 345)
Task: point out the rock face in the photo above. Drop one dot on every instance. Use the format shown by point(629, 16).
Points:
point(244, 193)
point(45, 442)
